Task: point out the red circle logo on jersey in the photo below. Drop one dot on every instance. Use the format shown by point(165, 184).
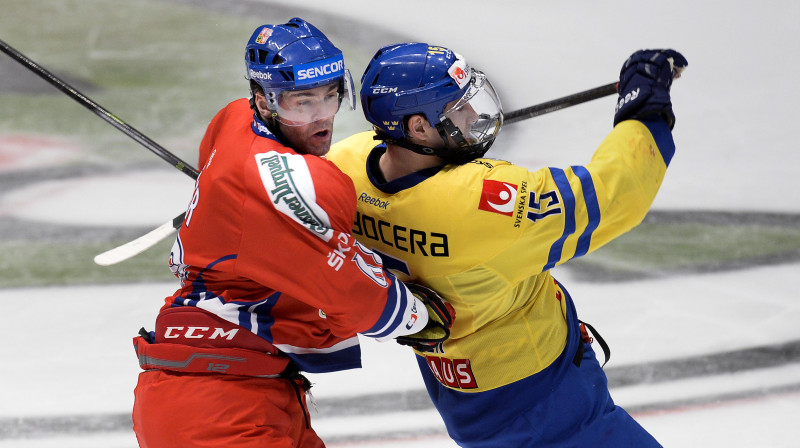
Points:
point(498, 197)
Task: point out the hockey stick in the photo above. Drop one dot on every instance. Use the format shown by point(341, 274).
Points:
point(99, 111)
point(139, 245)
point(560, 103)
point(148, 240)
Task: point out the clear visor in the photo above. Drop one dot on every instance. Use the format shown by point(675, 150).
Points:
point(301, 107)
point(478, 114)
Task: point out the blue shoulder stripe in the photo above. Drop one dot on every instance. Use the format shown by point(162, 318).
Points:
point(592, 207)
point(569, 216)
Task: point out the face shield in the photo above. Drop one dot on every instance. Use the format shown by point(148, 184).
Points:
point(474, 120)
point(303, 106)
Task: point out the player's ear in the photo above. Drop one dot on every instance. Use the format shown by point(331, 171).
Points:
point(261, 104)
point(417, 127)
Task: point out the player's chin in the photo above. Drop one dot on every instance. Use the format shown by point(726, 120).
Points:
point(319, 143)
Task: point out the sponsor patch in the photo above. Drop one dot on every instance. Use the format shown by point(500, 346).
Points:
point(290, 187)
point(367, 199)
point(319, 70)
point(498, 197)
point(264, 76)
point(460, 72)
point(453, 373)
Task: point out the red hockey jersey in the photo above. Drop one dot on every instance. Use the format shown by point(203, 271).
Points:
point(265, 246)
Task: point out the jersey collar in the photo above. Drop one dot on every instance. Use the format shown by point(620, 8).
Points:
point(261, 129)
point(399, 184)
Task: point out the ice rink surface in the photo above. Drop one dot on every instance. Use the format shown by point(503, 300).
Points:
point(68, 368)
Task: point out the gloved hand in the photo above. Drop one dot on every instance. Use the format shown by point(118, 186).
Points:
point(440, 318)
point(644, 83)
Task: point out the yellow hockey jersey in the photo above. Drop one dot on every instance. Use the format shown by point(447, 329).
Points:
point(485, 235)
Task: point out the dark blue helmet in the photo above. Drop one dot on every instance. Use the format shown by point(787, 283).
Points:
point(417, 78)
point(295, 56)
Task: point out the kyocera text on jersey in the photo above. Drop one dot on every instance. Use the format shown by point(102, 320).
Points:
point(405, 239)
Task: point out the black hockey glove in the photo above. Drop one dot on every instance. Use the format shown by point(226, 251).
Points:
point(440, 318)
point(644, 83)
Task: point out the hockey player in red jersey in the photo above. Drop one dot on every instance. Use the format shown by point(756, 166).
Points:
point(272, 283)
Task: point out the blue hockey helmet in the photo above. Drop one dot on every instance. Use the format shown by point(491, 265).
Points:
point(417, 78)
point(297, 56)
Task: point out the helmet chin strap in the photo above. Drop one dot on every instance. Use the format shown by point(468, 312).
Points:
point(447, 129)
point(419, 149)
point(464, 151)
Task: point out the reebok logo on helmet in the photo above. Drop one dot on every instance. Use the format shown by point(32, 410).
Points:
point(264, 76)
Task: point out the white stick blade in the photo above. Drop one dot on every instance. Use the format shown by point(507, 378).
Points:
point(135, 247)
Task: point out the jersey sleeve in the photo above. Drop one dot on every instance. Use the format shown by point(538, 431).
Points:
point(315, 205)
point(570, 212)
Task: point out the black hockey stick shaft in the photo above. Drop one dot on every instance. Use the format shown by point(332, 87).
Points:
point(560, 103)
point(100, 111)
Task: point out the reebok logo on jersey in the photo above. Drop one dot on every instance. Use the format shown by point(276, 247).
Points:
point(498, 197)
point(367, 199)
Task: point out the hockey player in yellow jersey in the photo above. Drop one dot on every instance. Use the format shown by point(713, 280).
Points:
point(517, 370)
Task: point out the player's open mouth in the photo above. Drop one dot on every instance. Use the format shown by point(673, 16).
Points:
point(323, 133)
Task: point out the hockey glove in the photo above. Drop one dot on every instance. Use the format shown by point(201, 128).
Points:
point(440, 318)
point(644, 84)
